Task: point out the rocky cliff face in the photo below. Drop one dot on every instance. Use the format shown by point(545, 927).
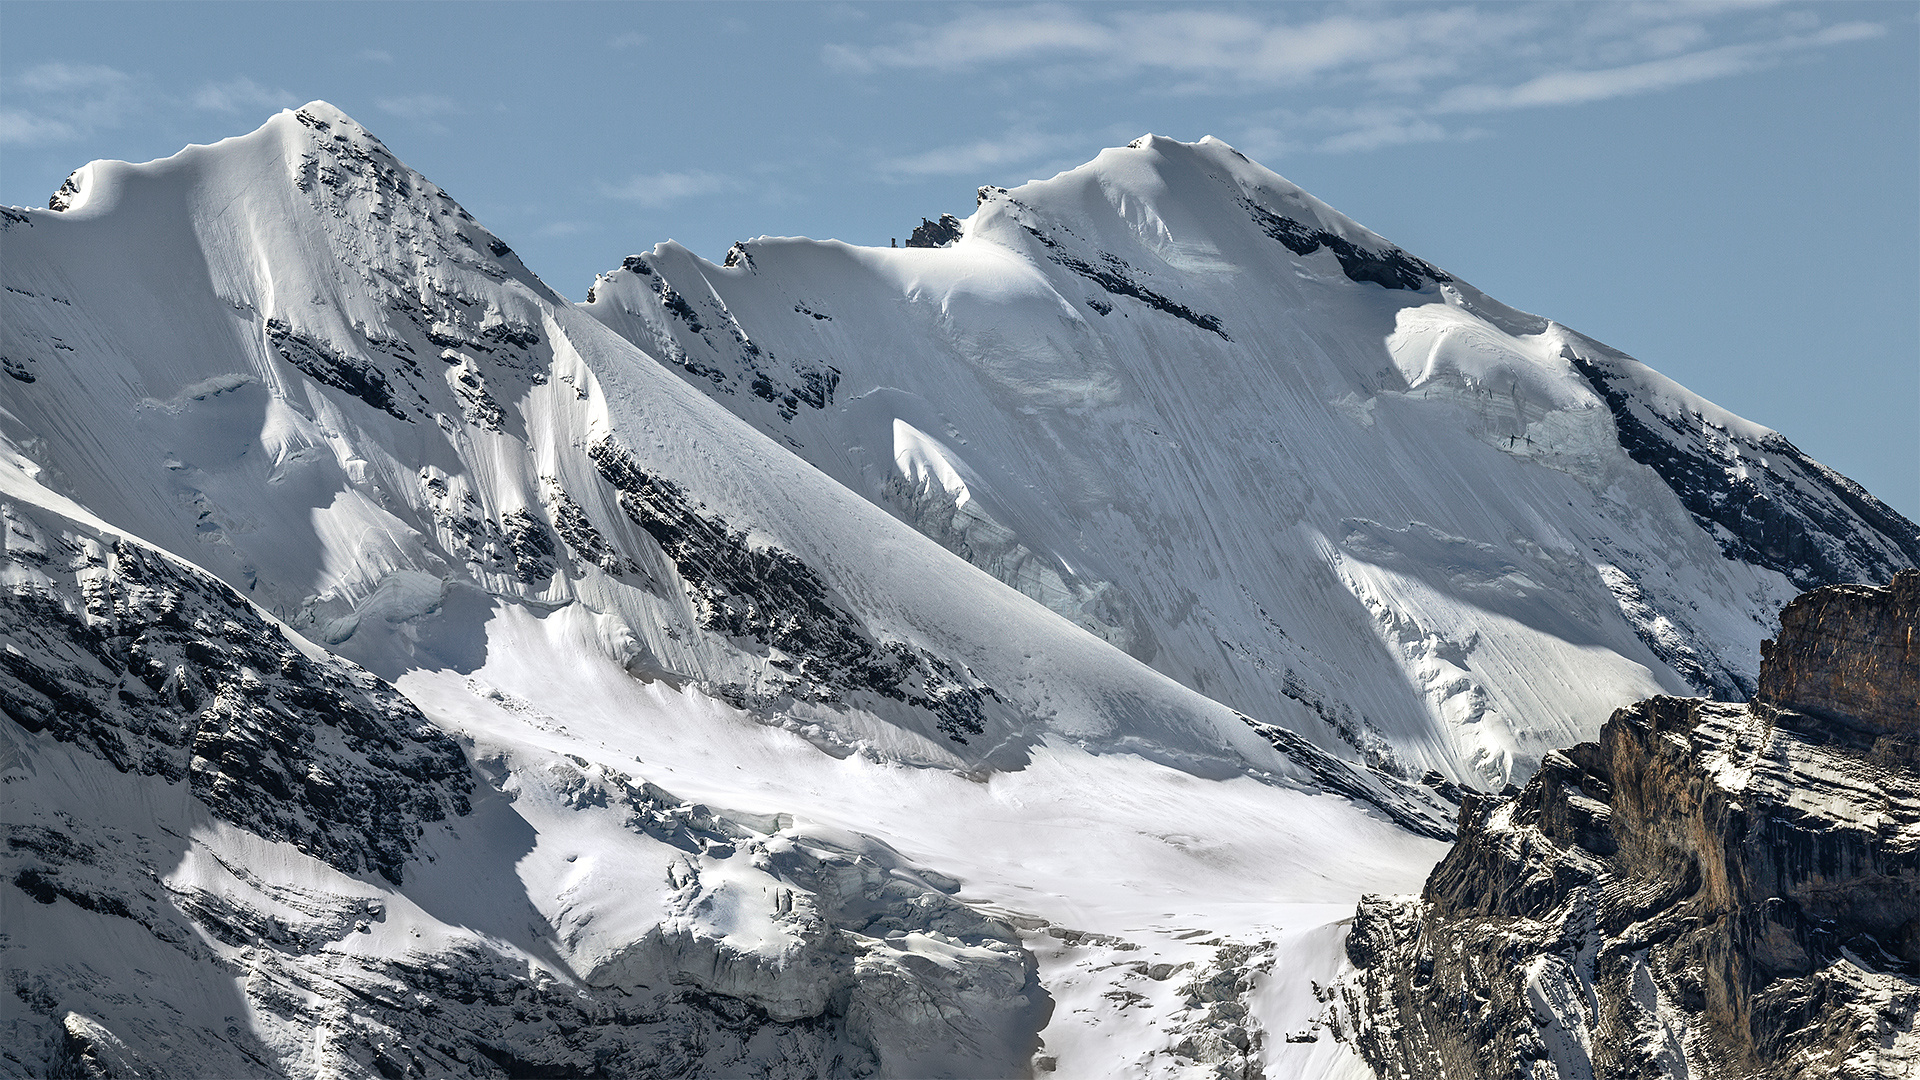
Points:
point(161, 671)
point(1709, 890)
point(1848, 654)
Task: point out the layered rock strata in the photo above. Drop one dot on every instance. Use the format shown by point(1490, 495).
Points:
point(1710, 889)
point(1850, 655)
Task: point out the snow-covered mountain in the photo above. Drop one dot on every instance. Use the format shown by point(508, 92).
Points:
point(1205, 416)
point(411, 672)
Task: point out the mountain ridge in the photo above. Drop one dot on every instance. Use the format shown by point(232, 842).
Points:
point(861, 659)
point(1041, 356)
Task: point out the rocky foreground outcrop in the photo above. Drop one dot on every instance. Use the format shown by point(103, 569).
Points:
point(1710, 889)
point(1850, 656)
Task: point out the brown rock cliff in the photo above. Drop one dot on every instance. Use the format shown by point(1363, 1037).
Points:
point(1709, 890)
point(1851, 654)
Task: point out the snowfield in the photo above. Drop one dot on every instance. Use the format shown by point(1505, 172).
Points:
point(1011, 657)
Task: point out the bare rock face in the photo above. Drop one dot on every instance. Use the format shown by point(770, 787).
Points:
point(1711, 889)
point(1849, 653)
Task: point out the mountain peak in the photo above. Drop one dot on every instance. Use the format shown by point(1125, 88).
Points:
point(286, 135)
point(1193, 206)
point(324, 110)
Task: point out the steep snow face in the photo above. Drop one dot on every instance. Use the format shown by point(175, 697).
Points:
point(294, 364)
point(1205, 417)
point(277, 334)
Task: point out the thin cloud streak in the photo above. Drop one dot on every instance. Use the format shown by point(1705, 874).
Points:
point(58, 102)
point(240, 95)
point(969, 158)
point(21, 128)
point(1581, 87)
point(1381, 135)
point(1216, 45)
point(59, 78)
point(655, 190)
point(1407, 70)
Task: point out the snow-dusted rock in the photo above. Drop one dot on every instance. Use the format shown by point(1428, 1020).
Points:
point(206, 813)
point(1711, 889)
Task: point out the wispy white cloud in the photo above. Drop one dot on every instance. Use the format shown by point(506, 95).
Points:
point(1670, 38)
point(1412, 71)
point(1348, 129)
point(1385, 133)
point(21, 128)
point(60, 78)
point(240, 95)
point(629, 40)
point(966, 159)
point(1217, 46)
point(980, 38)
point(1580, 87)
point(420, 106)
point(654, 190)
point(554, 229)
point(57, 102)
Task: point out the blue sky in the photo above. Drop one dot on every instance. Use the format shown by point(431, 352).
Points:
point(1728, 191)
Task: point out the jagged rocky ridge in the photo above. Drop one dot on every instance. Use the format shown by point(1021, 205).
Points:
point(933, 234)
point(1763, 500)
point(769, 596)
point(158, 669)
point(1710, 889)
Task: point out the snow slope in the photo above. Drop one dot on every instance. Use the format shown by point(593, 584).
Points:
point(1206, 417)
point(234, 842)
point(758, 778)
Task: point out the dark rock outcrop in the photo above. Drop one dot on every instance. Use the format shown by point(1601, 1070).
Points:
point(1114, 277)
point(162, 670)
point(61, 200)
point(1389, 269)
point(703, 339)
point(1416, 808)
point(1849, 654)
point(933, 234)
point(769, 596)
point(314, 358)
point(1762, 499)
point(1711, 889)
